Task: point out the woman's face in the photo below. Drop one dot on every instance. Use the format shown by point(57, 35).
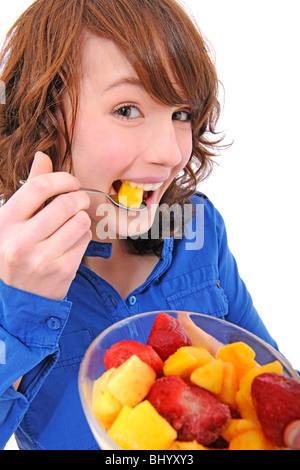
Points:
point(122, 134)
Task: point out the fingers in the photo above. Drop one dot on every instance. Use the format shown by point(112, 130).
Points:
point(42, 245)
point(67, 267)
point(54, 215)
point(43, 272)
point(68, 235)
point(42, 184)
point(198, 336)
point(35, 192)
point(292, 435)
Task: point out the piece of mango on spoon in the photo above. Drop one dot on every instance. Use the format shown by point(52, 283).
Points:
point(129, 196)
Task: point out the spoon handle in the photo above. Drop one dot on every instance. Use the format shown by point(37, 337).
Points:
point(112, 197)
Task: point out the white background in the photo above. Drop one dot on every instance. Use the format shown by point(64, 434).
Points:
point(255, 187)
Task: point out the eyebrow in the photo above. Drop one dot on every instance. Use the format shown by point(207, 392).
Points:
point(132, 81)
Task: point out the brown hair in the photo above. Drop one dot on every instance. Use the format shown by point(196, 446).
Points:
point(40, 63)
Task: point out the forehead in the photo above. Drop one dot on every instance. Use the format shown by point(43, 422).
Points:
point(103, 64)
point(103, 61)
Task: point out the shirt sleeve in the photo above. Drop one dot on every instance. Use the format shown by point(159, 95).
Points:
point(241, 309)
point(30, 328)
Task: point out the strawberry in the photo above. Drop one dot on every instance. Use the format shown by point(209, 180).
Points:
point(276, 399)
point(167, 335)
point(195, 413)
point(121, 351)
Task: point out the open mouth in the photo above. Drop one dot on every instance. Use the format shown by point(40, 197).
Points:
point(148, 188)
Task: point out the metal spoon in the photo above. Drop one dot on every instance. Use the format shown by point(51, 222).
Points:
point(112, 197)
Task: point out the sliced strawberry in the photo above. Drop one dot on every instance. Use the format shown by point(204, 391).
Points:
point(121, 351)
point(167, 335)
point(195, 413)
point(276, 399)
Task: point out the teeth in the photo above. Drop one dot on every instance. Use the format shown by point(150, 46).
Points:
point(145, 187)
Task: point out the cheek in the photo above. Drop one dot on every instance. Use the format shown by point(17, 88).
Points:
point(99, 152)
point(185, 143)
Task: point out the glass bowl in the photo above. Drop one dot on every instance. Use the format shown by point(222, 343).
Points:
point(138, 328)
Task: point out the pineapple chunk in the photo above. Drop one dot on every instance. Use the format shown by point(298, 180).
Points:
point(131, 381)
point(106, 408)
point(209, 376)
point(118, 428)
point(100, 385)
point(142, 428)
point(185, 360)
point(129, 196)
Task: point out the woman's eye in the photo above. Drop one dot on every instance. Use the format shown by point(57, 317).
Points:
point(128, 111)
point(183, 116)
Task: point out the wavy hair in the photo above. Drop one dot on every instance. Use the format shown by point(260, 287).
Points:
point(40, 63)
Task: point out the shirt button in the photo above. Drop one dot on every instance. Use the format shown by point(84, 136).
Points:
point(53, 323)
point(132, 300)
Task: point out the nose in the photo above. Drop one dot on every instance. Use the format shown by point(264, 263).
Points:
point(163, 146)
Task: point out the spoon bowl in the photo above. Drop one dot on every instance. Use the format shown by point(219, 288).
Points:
point(114, 200)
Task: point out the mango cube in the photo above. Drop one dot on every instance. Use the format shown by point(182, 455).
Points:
point(240, 355)
point(248, 378)
point(229, 386)
point(142, 428)
point(237, 426)
point(253, 439)
point(131, 381)
point(185, 360)
point(209, 376)
point(129, 196)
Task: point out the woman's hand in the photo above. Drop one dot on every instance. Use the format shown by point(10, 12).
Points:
point(198, 336)
point(41, 246)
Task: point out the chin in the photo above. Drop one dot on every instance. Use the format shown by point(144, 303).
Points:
point(113, 223)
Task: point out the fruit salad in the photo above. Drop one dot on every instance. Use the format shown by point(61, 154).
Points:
point(172, 394)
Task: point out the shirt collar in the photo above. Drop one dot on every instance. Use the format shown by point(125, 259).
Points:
point(99, 249)
point(103, 249)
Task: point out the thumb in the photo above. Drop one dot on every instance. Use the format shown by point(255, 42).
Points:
point(41, 164)
point(292, 435)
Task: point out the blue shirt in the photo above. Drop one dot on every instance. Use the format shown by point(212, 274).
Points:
point(44, 340)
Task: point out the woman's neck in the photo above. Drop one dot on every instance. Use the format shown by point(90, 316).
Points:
point(124, 270)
